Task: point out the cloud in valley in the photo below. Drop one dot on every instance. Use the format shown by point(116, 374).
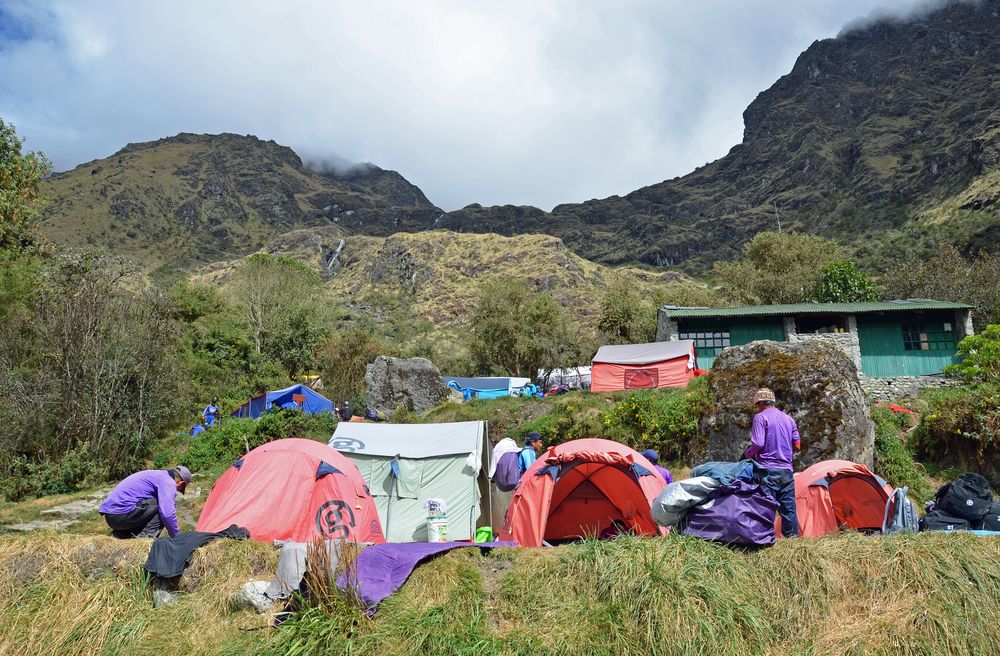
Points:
point(518, 102)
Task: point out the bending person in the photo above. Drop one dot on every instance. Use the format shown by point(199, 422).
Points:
point(144, 503)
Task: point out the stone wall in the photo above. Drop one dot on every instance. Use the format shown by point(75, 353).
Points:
point(901, 387)
point(666, 328)
point(846, 343)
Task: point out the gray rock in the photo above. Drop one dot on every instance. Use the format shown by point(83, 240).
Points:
point(252, 596)
point(163, 598)
point(413, 383)
point(814, 383)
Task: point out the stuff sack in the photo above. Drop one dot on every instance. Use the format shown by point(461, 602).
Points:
point(738, 513)
point(938, 520)
point(669, 507)
point(507, 473)
point(967, 497)
point(900, 515)
point(991, 521)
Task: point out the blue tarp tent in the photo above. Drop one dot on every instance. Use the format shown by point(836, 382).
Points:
point(480, 388)
point(297, 396)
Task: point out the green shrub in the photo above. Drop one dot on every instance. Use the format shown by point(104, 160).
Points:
point(231, 438)
point(73, 471)
point(665, 419)
point(961, 428)
point(893, 460)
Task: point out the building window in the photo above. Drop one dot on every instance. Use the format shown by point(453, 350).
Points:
point(916, 337)
point(707, 344)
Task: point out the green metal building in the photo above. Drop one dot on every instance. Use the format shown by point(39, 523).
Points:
point(915, 337)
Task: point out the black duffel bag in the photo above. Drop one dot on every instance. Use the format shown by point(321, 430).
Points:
point(991, 522)
point(967, 497)
point(937, 520)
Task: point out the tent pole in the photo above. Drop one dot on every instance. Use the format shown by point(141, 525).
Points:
point(489, 458)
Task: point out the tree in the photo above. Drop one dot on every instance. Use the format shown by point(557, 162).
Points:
point(949, 276)
point(344, 358)
point(280, 298)
point(625, 317)
point(517, 331)
point(843, 283)
point(777, 267)
point(20, 175)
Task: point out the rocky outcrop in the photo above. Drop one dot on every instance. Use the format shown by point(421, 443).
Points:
point(815, 383)
point(414, 384)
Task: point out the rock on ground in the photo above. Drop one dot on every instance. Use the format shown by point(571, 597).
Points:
point(252, 596)
point(814, 383)
point(413, 383)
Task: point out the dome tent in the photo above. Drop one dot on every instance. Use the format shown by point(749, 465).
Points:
point(836, 494)
point(579, 488)
point(293, 489)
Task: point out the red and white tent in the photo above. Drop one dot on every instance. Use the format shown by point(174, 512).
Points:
point(640, 366)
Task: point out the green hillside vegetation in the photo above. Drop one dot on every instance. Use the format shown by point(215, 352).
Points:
point(192, 199)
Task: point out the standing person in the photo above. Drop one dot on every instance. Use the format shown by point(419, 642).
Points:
point(143, 503)
point(526, 456)
point(654, 458)
point(211, 412)
point(346, 412)
point(773, 440)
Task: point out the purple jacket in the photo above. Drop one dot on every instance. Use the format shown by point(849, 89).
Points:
point(148, 484)
point(771, 439)
point(665, 473)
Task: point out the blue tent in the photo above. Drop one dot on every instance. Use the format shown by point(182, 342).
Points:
point(296, 396)
point(480, 388)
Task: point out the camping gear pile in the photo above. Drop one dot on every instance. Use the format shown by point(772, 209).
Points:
point(964, 504)
point(723, 502)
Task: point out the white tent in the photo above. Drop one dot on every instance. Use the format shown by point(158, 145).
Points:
point(404, 464)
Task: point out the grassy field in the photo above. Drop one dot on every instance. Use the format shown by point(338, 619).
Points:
point(844, 594)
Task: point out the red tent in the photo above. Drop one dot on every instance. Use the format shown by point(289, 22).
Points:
point(293, 490)
point(638, 366)
point(836, 494)
point(579, 488)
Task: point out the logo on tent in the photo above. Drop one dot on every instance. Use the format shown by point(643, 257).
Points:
point(335, 519)
point(347, 444)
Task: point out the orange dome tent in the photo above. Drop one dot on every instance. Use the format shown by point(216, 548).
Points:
point(836, 494)
point(579, 488)
point(296, 490)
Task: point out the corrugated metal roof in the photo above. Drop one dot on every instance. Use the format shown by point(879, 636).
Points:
point(810, 308)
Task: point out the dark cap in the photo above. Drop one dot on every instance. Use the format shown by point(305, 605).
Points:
point(533, 436)
point(183, 473)
point(651, 455)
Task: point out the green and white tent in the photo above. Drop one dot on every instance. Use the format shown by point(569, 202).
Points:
point(405, 464)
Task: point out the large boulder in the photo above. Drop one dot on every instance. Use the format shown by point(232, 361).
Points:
point(413, 383)
point(815, 383)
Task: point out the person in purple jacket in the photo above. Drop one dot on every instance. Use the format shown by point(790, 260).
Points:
point(654, 459)
point(774, 438)
point(143, 504)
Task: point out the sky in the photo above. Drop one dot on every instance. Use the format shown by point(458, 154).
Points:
point(528, 103)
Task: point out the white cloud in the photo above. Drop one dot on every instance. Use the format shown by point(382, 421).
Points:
point(519, 102)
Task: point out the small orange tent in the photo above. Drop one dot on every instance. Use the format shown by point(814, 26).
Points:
point(579, 488)
point(836, 494)
point(640, 366)
point(293, 490)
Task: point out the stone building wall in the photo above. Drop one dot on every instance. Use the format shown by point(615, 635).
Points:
point(901, 387)
point(847, 343)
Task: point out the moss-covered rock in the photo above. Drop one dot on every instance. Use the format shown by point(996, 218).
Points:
point(816, 384)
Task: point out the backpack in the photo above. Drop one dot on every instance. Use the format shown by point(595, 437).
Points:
point(900, 515)
point(938, 520)
point(508, 471)
point(991, 522)
point(968, 497)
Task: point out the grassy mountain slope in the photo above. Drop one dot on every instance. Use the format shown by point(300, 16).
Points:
point(436, 275)
point(199, 198)
point(887, 133)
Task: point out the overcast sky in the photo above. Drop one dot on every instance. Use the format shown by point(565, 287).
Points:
point(537, 102)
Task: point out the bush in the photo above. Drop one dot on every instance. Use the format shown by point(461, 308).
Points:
point(73, 471)
point(961, 428)
point(893, 460)
point(227, 441)
point(665, 420)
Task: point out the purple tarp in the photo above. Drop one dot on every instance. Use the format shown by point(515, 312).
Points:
point(741, 513)
point(381, 569)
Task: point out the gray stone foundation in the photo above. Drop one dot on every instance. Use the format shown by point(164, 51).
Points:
point(901, 387)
